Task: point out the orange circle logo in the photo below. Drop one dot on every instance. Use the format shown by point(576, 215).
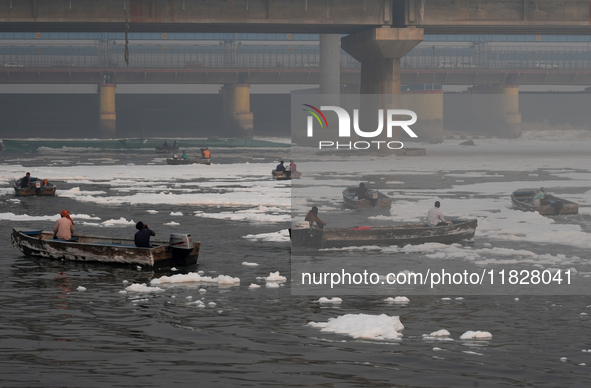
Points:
point(289, 36)
point(38, 35)
point(164, 35)
point(538, 37)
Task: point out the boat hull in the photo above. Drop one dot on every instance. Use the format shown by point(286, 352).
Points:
point(383, 235)
point(382, 201)
point(101, 249)
point(31, 191)
point(282, 176)
point(551, 205)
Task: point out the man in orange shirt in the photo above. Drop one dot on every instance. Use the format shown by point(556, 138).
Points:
point(64, 227)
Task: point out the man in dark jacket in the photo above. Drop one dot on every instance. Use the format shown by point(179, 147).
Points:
point(142, 237)
point(26, 181)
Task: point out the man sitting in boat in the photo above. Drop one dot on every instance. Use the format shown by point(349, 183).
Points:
point(361, 192)
point(184, 156)
point(26, 181)
point(312, 218)
point(539, 196)
point(64, 227)
point(280, 167)
point(206, 153)
point(142, 237)
point(435, 216)
point(165, 144)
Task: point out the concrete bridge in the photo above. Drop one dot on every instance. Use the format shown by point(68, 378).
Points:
point(381, 33)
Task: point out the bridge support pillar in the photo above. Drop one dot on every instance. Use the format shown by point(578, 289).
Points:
point(428, 105)
point(238, 119)
point(107, 112)
point(330, 64)
point(501, 112)
point(379, 50)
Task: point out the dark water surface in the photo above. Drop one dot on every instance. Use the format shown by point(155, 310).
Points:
point(52, 335)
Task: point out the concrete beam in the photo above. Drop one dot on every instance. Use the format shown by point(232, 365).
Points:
point(266, 16)
point(495, 16)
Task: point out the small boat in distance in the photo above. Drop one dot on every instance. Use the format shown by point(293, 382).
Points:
point(523, 199)
point(180, 250)
point(379, 199)
point(303, 236)
point(176, 162)
point(39, 187)
point(282, 175)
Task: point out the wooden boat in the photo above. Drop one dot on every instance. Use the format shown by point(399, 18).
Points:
point(176, 162)
point(379, 199)
point(382, 235)
point(282, 176)
point(523, 199)
point(107, 249)
point(36, 188)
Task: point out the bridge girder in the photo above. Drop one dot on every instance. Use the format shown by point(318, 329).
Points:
point(297, 16)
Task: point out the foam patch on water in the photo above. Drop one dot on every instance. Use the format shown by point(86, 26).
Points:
point(275, 277)
point(120, 222)
point(365, 326)
point(280, 236)
point(136, 287)
point(333, 300)
point(192, 277)
point(479, 335)
point(397, 300)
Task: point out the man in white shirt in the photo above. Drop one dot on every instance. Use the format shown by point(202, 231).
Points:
point(435, 216)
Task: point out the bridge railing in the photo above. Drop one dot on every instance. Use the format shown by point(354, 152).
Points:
point(100, 55)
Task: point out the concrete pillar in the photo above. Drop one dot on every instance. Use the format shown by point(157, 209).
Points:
point(238, 119)
point(107, 112)
point(330, 64)
point(379, 50)
point(511, 111)
point(496, 109)
point(428, 105)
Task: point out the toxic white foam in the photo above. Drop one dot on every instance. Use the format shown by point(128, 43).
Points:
point(375, 327)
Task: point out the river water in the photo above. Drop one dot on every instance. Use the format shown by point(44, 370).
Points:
point(66, 324)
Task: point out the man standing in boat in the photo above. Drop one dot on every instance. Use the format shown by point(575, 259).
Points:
point(64, 227)
point(361, 192)
point(312, 218)
point(539, 196)
point(26, 180)
point(185, 156)
point(142, 237)
point(435, 216)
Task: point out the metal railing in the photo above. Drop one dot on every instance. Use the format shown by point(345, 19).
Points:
point(235, 56)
